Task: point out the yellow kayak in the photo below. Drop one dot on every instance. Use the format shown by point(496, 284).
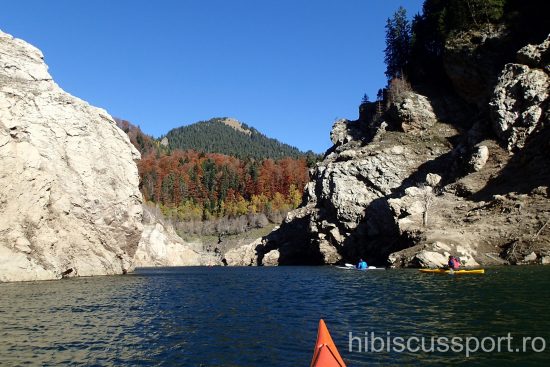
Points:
point(447, 271)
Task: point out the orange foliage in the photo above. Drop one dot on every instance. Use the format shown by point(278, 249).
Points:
point(221, 184)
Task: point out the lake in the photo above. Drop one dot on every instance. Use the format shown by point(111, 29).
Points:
point(216, 316)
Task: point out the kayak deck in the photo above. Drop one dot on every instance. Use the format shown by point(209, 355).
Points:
point(325, 353)
point(447, 271)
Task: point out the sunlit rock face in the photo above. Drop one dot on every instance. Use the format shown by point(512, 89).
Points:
point(69, 198)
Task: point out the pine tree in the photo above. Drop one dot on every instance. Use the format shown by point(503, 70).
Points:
point(398, 42)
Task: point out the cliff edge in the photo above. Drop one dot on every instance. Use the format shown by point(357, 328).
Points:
point(69, 198)
point(435, 174)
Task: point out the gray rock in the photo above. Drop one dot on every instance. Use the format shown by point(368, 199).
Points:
point(535, 56)
point(415, 113)
point(479, 158)
point(68, 180)
point(433, 255)
point(530, 258)
point(472, 59)
point(430, 259)
point(245, 255)
point(517, 103)
point(344, 131)
point(271, 258)
point(433, 179)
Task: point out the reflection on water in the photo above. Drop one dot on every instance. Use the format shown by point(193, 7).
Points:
point(265, 316)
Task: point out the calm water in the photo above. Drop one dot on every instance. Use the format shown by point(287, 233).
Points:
point(267, 316)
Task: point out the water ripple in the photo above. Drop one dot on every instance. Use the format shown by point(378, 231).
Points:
point(264, 316)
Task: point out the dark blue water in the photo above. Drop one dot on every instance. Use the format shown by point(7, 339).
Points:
point(269, 316)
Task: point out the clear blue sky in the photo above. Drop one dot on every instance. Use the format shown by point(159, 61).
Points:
point(286, 67)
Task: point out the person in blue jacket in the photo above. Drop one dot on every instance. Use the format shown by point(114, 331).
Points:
point(362, 265)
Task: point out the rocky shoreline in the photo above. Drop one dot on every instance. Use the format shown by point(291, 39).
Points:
point(463, 172)
point(434, 176)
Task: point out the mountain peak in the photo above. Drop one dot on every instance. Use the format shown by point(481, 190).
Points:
point(235, 124)
point(229, 136)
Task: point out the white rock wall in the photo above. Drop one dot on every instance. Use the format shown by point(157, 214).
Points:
point(69, 198)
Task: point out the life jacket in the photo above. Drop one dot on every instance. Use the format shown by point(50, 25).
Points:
point(454, 263)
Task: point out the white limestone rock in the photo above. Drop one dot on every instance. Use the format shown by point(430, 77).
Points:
point(431, 259)
point(245, 255)
point(415, 113)
point(69, 198)
point(434, 255)
point(433, 179)
point(343, 131)
point(519, 85)
point(271, 258)
point(535, 55)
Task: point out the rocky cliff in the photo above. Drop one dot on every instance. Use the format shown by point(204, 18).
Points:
point(463, 171)
point(69, 198)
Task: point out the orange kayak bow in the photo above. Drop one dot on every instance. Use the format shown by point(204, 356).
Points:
point(325, 353)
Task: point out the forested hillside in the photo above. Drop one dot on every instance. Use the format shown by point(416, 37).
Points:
point(228, 136)
point(192, 185)
point(189, 185)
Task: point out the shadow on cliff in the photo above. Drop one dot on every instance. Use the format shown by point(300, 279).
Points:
point(294, 244)
point(377, 234)
point(528, 169)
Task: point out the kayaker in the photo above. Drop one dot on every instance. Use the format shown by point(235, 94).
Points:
point(362, 265)
point(453, 263)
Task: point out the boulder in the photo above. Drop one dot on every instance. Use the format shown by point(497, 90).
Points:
point(414, 113)
point(433, 179)
point(245, 255)
point(271, 258)
point(530, 258)
point(479, 158)
point(344, 131)
point(69, 198)
point(430, 259)
point(433, 255)
point(535, 56)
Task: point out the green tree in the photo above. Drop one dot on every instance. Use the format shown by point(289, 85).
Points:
point(398, 43)
point(168, 188)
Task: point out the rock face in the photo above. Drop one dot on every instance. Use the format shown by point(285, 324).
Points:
point(245, 255)
point(536, 56)
point(472, 60)
point(433, 255)
point(347, 214)
point(160, 245)
point(69, 198)
point(414, 113)
point(343, 133)
point(406, 189)
point(526, 87)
